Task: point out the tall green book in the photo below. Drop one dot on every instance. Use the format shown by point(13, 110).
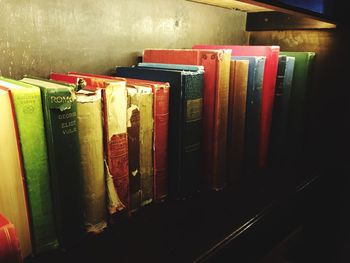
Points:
point(60, 117)
point(89, 123)
point(31, 130)
point(296, 119)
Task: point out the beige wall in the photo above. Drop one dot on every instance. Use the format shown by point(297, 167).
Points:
point(39, 36)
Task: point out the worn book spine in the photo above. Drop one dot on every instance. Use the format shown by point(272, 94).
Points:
point(89, 124)
point(10, 251)
point(215, 114)
point(160, 141)
point(192, 125)
point(115, 125)
point(134, 152)
point(237, 118)
point(29, 116)
point(144, 100)
point(12, 189)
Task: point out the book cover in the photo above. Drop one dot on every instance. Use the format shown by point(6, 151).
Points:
point(215, 103)
point(185, 120)
point(296, 119)
point(60, 118)
point(31, 130)
point(141, 97)
point(13, 203)
point(134, 152)
point(280, 110)
point(89, 124)
point(114, 110)
point(10, 251)
point(253, 107)
point(268, 92)
point(160, 134)
point(237, 118)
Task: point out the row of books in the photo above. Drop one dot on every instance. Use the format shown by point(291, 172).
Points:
point(81, 146)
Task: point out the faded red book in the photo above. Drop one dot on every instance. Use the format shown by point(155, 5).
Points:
point(114, 132)
point(10, 251)
point(215, 103)
point(271, 53)
point(160, 136)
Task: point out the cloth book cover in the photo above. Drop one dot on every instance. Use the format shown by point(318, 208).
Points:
point(268, 92)
point(296, 121)
point(114, 108)
point(134, 152)
point(215, 103)
point(253, 106)
point(237, 118)
point(89, 124)
point(281, 110)
point(114, 203)
point(13, 203)
point(10, 250)
point(141, 98)
point(60, 118)
point(185, 120)
point(31, 130)
point(160, 133)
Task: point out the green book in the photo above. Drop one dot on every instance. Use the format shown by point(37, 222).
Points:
point(296, 118)
point(60, 118)
point(31, 130)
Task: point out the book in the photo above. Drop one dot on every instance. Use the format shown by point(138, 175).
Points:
point(185, 120)
point(141, 97)
point(253, 107)
point(115, 146)
point(215, 104)
point(296, 119)
point(237, 118)
point(160, 133)
point(31, 131)
point(10, 250)
point(271, 53)
point(89, 124)
point(13, 203)
point(134, 152)
point(280, 111)
point(114, 108)
point(60, 118)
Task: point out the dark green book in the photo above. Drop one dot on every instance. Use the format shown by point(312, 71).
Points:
point(60, 118)
point(296, 116)
point(31, 131)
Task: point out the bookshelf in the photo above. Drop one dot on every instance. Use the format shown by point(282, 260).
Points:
point(38, 37)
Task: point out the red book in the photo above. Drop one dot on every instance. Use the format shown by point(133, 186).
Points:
point(160, 137)
point(215, 103)
point(115, 138)
point(271, 53)
point(10, 251)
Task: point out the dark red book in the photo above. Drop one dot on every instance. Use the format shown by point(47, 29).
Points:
point(10, 251)
point(215, 103)
point(271, 53)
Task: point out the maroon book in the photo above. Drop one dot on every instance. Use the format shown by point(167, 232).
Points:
point(10, 251)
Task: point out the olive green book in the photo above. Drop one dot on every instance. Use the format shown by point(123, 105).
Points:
point(31, 130)
point(60, 118)
point(89, 124)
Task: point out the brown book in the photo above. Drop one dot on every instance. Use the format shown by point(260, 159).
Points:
point(237, 116)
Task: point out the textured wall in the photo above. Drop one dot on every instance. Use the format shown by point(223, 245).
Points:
point(38, 36)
